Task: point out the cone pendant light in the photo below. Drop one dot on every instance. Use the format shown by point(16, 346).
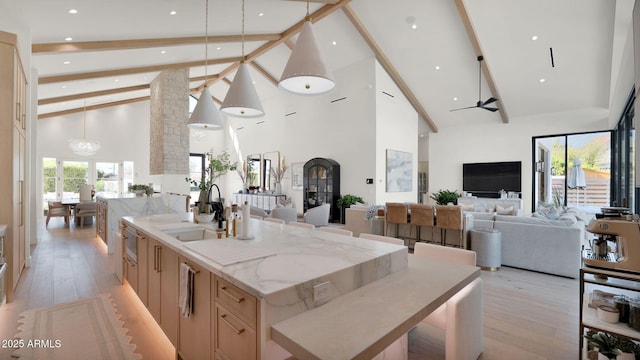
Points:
point(205, 115)
point(242, 99)
point(306, 72)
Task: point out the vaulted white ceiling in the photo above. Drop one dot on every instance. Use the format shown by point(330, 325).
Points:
point(436, 60)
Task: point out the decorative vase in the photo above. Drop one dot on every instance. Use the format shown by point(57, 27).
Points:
point(139, 193)
point(203, 202)
point(278, 188)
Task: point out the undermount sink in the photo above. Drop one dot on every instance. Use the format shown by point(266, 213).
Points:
point(191, 234)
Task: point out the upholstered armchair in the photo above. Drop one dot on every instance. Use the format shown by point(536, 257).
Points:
point(318, 216)
point(286, 214)
point(461, 315)
point(57, 209)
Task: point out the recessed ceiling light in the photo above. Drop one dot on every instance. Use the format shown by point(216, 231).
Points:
point(68, 38)
point(334, 43)
point(541, 80)
point(63, 86)
point(218, 48)
point(534, 37)
point(421, 135)
point(172, 12)
point(116, 80)
point(261, 14)
point(437, 67)
point(455, 99)
point(72, 11)
point(414, 26)
point(67, 62)
point(163, 52)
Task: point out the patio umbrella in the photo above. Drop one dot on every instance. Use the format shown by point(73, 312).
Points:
point(577, 179)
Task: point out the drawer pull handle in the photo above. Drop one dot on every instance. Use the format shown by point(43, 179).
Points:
point(224, 318)
point(224, 290)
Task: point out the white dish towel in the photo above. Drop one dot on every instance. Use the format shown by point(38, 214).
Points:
point(185, 297)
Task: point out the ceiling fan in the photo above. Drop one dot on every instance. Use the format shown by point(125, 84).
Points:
point(481, 104)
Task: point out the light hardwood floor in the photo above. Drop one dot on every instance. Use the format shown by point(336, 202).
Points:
point(527, 315)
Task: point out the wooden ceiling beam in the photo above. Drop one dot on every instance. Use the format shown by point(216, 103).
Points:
point(112, 45)
point(466, 20)
point(264, 73)
point(131, 71)
point(92, 107)
point(388, 66)
point(91, 94)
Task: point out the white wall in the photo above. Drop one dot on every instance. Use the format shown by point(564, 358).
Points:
point(451, 147)
point(396, 129)
point(342, 131)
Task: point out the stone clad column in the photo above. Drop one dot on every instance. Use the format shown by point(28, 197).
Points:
point(169, 134)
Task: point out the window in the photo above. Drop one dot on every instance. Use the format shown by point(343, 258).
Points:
point(107, 178)
point(572, 170)
point(624, 160)
point(74, 174)
point(196, 169)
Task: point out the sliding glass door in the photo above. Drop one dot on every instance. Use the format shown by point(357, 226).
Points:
point(573, 170)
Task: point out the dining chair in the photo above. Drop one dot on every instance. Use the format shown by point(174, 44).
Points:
point(450, 217)
point(382, 238)
point(461, 316)
point(336, 230)
point(58, 209)
point(396, 214)
point(318, 216)
point(84, 210)
point(422, 215)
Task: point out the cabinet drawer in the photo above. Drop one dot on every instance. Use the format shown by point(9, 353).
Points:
point(234, 339)
point(236, 300)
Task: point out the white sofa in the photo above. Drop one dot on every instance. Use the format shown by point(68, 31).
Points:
point(537, 243)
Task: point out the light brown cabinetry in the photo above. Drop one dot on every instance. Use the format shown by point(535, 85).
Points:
point(163, 288)
point(143, 268)
point(13, 126)
point(101, 218)
point(235, 322)
point(195, 331)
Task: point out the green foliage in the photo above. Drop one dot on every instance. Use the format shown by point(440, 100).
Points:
point(443, 197)
point(348, 200)
point(49, 175)
point(74, 176)
point(135, 187)
point(605, 343)
point(218, 166)
point(591, 155)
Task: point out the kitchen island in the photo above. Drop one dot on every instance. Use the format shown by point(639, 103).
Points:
point(244, 287)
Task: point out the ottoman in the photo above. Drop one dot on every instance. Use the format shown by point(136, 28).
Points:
point(487, 245)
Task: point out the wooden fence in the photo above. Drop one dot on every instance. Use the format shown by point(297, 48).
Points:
point(597, 192)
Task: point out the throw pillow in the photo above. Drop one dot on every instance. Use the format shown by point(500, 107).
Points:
point(553, 214)
point(466, 206)
point(507, 210)
point(284, 202)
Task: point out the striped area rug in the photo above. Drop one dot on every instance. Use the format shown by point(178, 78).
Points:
point(84, 329)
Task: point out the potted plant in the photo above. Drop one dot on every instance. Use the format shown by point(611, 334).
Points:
point(139, 189)
point(218, 166)
point(345, 201)
point(444, 197)
point(605, 343)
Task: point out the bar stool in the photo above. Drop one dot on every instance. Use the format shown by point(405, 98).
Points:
point(422, 215)
point(396, 214)
point(450, 217)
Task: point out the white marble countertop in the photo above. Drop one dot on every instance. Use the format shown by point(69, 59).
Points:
point(299, 256)
point(399, 301)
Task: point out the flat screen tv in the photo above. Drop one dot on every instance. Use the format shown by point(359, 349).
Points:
point(487, 179)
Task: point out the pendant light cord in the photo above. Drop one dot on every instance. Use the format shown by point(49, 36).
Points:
point(308, 17)
point(206, 40)
point(242, 31)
